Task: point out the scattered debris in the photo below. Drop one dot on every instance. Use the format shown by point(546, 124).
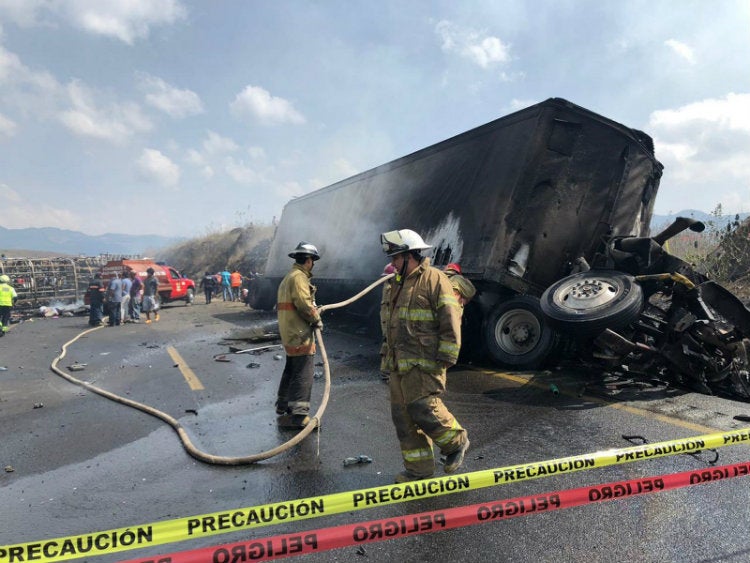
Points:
point(38, 405)
point(9, 469)
point(77, 367)
point(254, 334)
point(191, 411)
point(252, 365)
point(221, 358)
point(553, 388)
point(3, 368)
point(361, 551)
point(278, 357)
point(357, 460)
point(236, 350)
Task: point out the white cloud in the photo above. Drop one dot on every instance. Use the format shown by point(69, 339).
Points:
point(256, 102)
point(256, 153)
point(153, 166)
point(216, 144)
point(705, 149)
point(116, 122)
point(682, 49)
point(23, 212)
point(7, 126)
point(482, 49)
point(167, 98)
point(25, 13)
point(240, 172)
point(124, 20)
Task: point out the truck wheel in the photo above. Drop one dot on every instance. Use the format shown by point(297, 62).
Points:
point(189, 297)
point(261, 295)
point(584, 304)
point(516, 334)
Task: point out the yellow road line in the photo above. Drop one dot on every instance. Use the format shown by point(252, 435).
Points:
point(187, 373)
point(627, 408)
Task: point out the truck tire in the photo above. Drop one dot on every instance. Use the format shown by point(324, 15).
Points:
point(584, 304)
point(261, 295)
point(516, 334)
point(189, 297)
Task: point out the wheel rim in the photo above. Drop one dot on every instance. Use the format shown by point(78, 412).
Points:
point(586, 293)
point(517, 331)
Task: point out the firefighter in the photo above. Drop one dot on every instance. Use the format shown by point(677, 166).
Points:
point(8, 298)
point(298, 316)
point(463, 289)
point(421, 322)
point(96, 300)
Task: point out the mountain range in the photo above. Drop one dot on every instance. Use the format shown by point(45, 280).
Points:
point(50, 240)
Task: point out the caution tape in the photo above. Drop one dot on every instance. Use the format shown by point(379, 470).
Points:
point(250, 518)
point(325, 539)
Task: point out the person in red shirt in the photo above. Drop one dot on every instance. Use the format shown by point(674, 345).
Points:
point(235, 281)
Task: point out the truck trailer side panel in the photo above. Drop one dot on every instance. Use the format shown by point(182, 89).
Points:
point(513, 201)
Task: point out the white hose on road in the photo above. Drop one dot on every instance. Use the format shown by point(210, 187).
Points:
point(175, 424)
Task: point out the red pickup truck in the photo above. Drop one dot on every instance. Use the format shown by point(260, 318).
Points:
point(173, 286)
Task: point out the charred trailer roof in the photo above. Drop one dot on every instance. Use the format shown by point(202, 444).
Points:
point(513, 201)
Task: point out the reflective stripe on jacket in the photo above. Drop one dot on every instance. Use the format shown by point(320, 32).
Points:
point(296, 311)
point(421, 322)
point(7, 295)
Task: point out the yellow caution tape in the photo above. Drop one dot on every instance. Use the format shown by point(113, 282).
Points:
point(200, 526)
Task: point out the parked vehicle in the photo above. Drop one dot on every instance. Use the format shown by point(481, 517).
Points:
point(641, 309)
point(514, 201)
point(173, 286)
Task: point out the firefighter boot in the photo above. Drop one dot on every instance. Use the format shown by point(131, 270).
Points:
point(293, 421)
point(453, 461)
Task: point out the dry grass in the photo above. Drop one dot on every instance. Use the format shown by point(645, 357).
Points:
point(244, 249)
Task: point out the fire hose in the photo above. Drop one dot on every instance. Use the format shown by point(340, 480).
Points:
point(175, 424)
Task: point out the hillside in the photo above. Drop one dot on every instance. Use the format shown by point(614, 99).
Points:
point(57, 242)
point(243, 248)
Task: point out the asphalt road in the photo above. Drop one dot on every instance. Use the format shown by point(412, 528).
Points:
point(77, 463)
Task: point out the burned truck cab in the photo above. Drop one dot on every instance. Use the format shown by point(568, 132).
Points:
point(514, 201)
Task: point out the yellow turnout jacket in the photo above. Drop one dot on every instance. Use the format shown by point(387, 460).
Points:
point(296, 311)
point(421, 322)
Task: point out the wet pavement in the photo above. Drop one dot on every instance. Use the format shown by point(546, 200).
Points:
point(80, 463)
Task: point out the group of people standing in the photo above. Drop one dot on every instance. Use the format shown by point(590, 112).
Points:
point(420, 317)
point(229, 283)
point(126, 297)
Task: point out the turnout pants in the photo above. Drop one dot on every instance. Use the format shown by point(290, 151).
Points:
point(5, 318)
point(421, 418)
point(296, 385)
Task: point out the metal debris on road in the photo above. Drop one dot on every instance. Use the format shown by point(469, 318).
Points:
point(38, 405)
point(357, 460)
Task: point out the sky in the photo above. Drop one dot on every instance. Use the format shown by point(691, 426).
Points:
point(183, 118)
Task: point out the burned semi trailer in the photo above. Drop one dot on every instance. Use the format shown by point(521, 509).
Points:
point(514, 201)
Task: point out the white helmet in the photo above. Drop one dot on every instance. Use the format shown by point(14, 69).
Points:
point(405, 240)
point(305, 249)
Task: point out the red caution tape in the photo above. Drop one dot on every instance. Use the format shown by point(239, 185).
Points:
point(324, 539)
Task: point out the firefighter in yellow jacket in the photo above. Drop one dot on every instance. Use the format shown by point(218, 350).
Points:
point(8, 298)
point(421, 322)
point(298, 316)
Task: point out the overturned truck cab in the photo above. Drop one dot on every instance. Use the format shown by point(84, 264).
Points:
point(515, 201)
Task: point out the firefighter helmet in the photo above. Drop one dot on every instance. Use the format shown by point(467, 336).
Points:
point(453, 267)
point(305, 249)
point(405, 240)
point(4, 279)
